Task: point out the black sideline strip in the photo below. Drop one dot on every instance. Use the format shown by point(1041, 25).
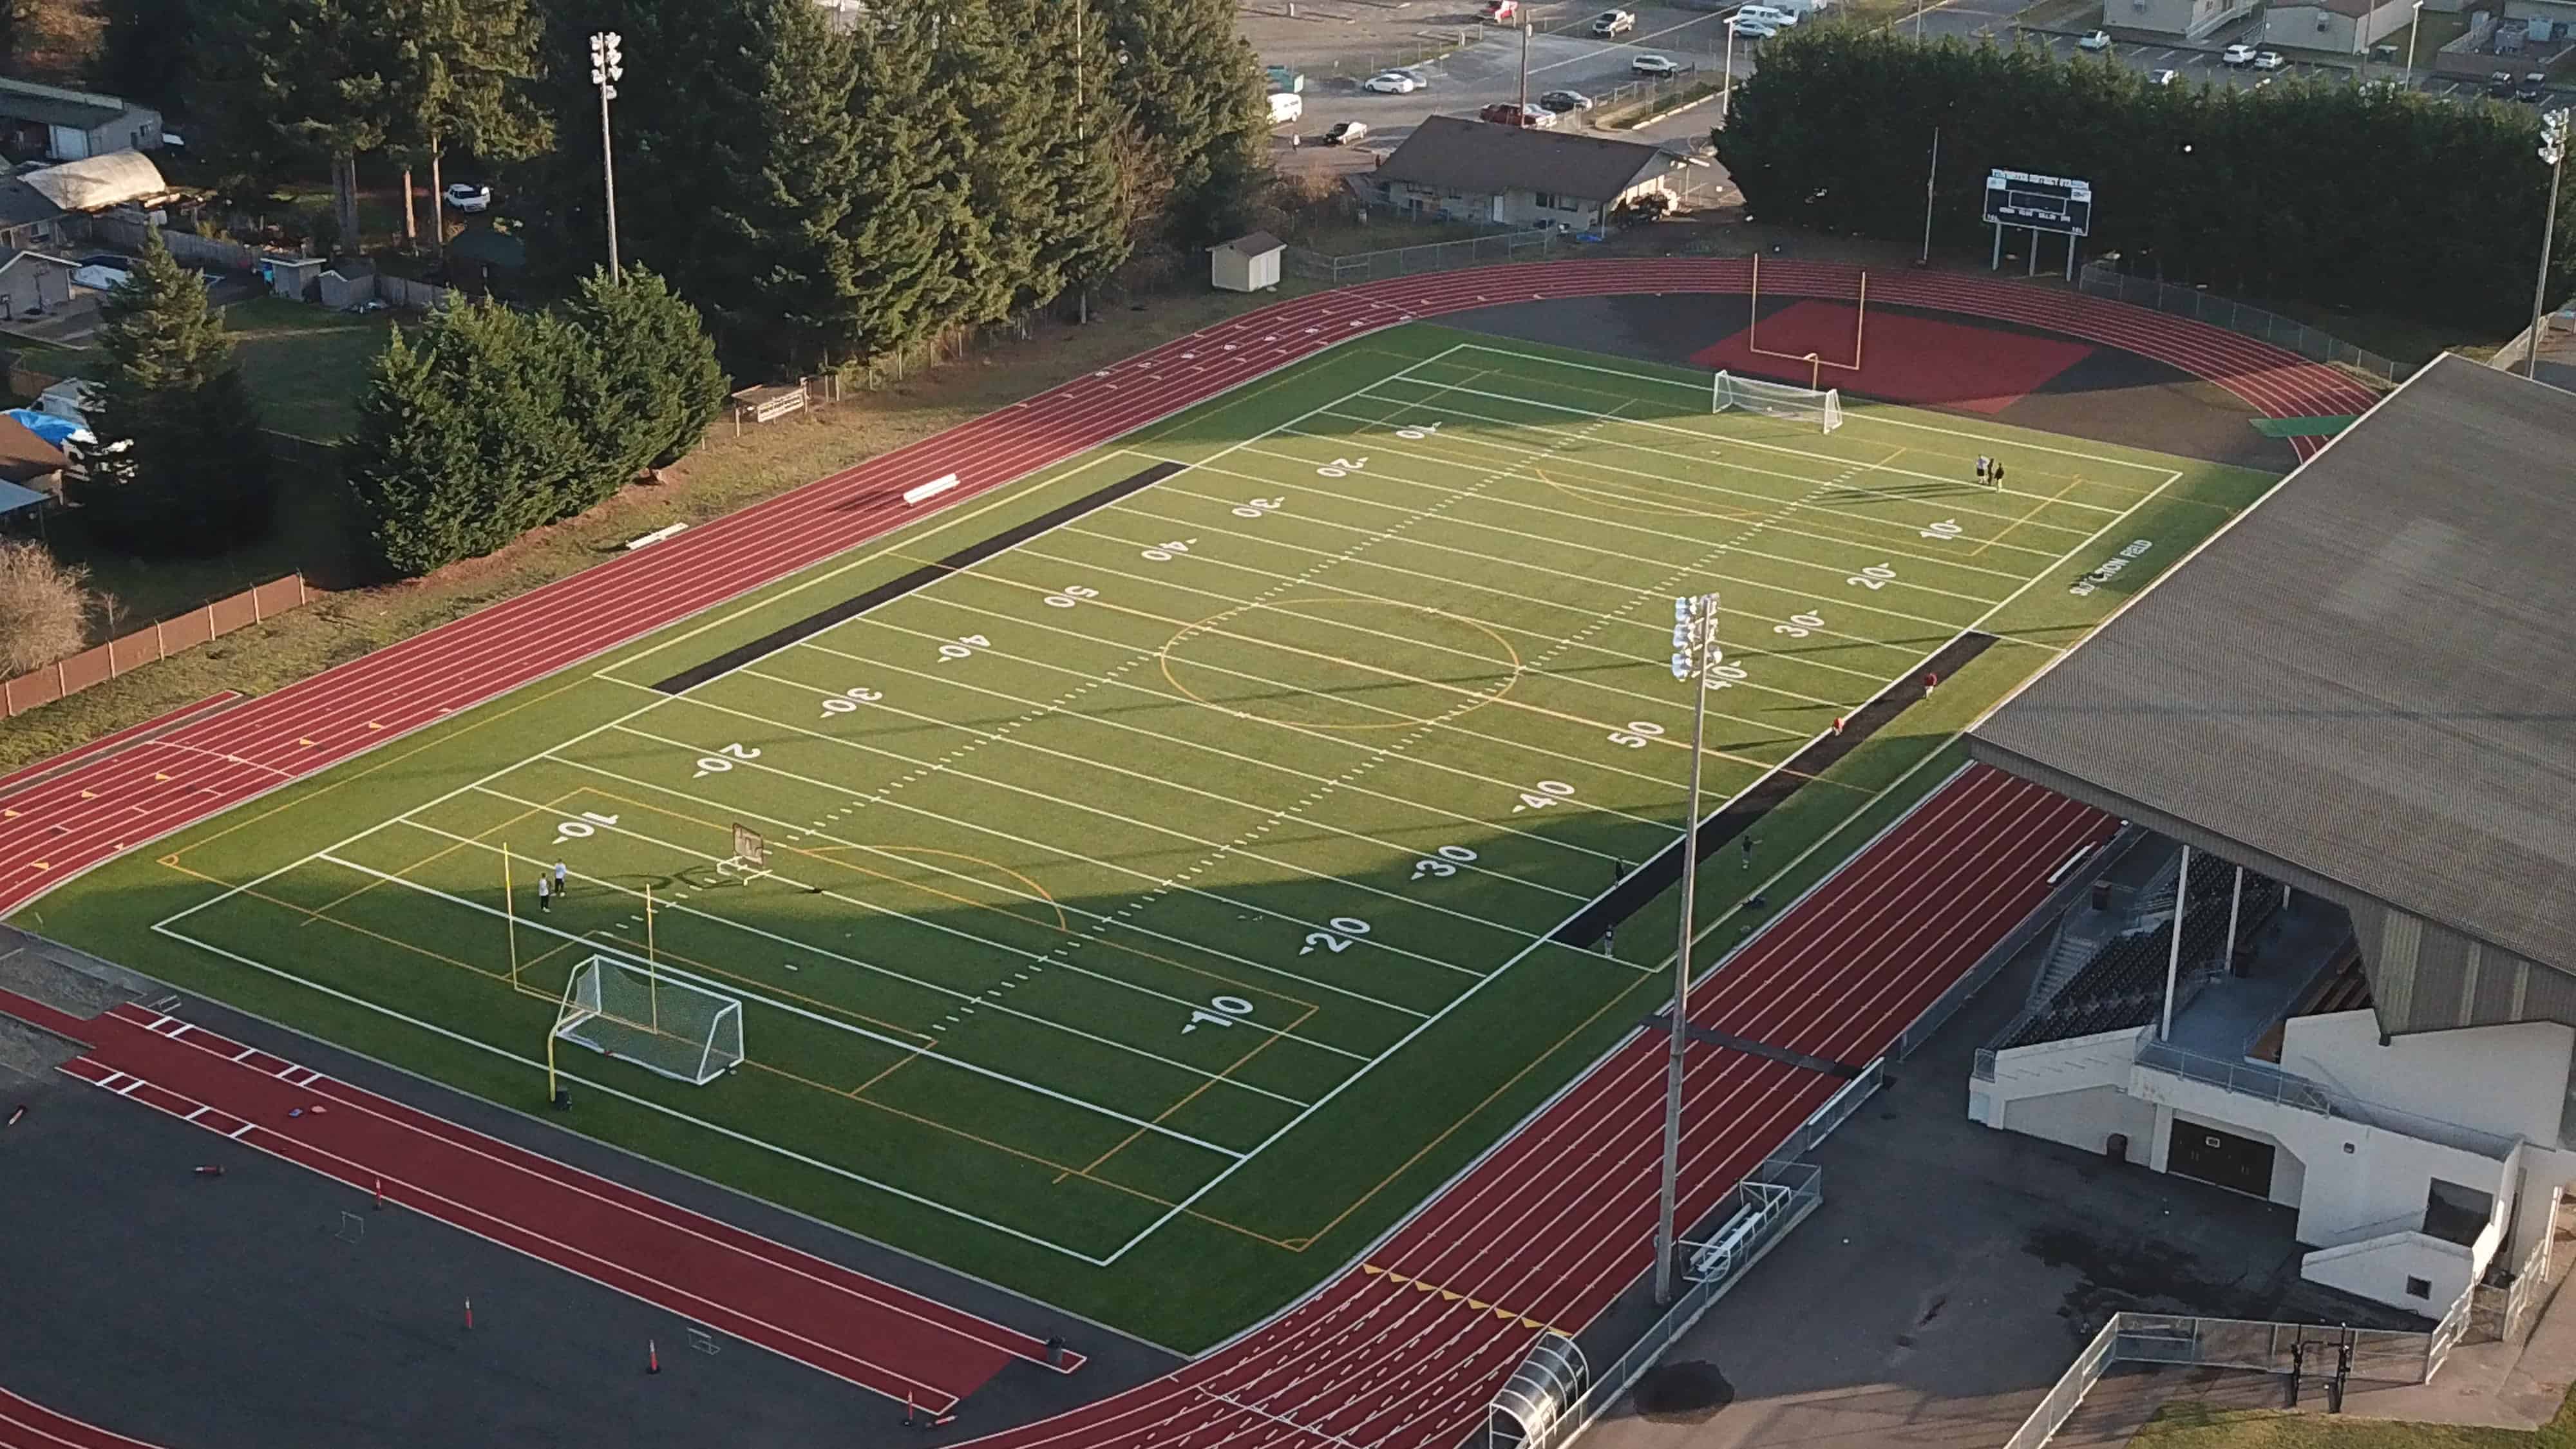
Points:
point(1630, 895)
point(965, 558)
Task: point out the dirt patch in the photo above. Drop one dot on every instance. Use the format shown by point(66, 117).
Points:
point(31, 1051)
point(1684, 1393)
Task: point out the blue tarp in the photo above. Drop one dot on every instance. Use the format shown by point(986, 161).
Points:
point(52, 429)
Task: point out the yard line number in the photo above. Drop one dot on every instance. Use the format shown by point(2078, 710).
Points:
point(1634, 737)
point(1165, 553)
point(1227, 1010)
point(1548, 793)
point(1442, 862)
point(849, 700)
point(1800, 625)
point(1342, 467)
point(965, 645)
point(1345, 929)
point(722, 760)
point(1416, 432)
point(1876, 576)
point(1943, 531)
point(1259, 507)
point(1070, 595)
point(583, 828)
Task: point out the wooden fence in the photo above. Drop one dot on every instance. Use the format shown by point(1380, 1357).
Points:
point(151, 643)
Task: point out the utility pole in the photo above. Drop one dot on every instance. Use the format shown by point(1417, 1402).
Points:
point(607, 68)
point(1929, 178)
point(1525, 44)
point(2410, 44)
point(2553, 152)
point(1695, 652)
point(1726, 88)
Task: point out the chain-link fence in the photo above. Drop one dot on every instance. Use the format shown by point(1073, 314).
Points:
point(2100, 279)
point(1535, 244)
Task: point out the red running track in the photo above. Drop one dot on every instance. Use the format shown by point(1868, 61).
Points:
point(902, 1345)
point(28, 1425)
point(1558, 1221)
point(53, 829)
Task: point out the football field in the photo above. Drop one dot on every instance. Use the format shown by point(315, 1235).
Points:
point(1170, 869)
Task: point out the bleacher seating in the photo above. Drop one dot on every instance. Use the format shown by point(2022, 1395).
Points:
point(2124, 984)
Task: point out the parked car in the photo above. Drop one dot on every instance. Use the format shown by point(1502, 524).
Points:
point(2270, 60)
point(2163, 77)
point(2239, 54)
point(2095, 40)
point(1498, 11)
point(1286, 107)
point(1346, 133)
point(1414, 73)
point(1389, 83)
point(1750, 29)
point(1566, 101)
point(1613, 22)
point(467, 197)
point(1656, 66)
point(2534, 88)
point(2500, 84)
point(1775, 16)
point(1512, 113)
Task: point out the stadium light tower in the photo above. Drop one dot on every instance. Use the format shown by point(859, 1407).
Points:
point(2553, 154)
point(1695, 653)
point(607, 68)
point(2411, 27)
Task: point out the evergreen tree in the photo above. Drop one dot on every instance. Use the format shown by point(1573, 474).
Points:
point(909, 208)
point(283, 83)
point(460, 77)
point(662, 382)
point(1086, 239)
point(1195, 87)
point(983, 68)
point(143, 52)
point(411, 466)
point(181, 466)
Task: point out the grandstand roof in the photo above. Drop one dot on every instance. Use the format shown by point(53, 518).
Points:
point(2370, 676)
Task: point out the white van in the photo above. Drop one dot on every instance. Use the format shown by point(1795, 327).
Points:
point(1799, 8)
point(1770, 15)
point(1286, 106)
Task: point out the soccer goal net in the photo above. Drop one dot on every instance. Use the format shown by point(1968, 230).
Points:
point(636, 1014)
point(1779, 400)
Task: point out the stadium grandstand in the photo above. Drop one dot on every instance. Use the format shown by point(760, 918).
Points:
point(2334, 965)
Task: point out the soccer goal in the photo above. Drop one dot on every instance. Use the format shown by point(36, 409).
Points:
point(636, 1014)
point(1778, 399)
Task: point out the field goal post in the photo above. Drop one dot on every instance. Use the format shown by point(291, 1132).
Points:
point(1816, 363)
point(750, 854)
point(1777, 399)
point(674, 1028)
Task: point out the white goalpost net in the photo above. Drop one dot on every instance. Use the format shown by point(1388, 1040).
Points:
point(1778, 399)
point(636, 1014)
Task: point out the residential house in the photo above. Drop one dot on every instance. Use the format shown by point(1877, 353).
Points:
point(101, 183)
point(33, 284)
point(28, 217)
point(1516, 175)
point(2339, 27)
point(2171, 19)
point(69, 125)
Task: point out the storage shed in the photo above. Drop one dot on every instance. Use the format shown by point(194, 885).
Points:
point(1247, 263)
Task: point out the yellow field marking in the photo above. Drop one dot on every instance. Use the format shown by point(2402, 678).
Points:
point(1454, 1296)
point(1447, 1132)
point(430, 859)
point(612, 935)
point(1257, 1049)
point(2077, 481)
point(1598, 493)
point(308, 911)
point(1164, 656)
point(380, 764)
point(823, 853)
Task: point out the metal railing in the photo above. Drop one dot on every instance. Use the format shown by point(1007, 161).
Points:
point(2530, 1289)
point(1795, 1190)
point(2271, 1084)
point(1534, 244)
point(2100, 279)
point(2379, 1354)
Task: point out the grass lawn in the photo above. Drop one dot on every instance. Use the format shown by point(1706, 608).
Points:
point(1165, 895)
point(2198, 1426)
point(306, 365)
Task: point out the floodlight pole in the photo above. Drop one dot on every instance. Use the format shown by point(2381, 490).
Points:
point(2553, 150)
point(2410, 43)
point(1726, 88)
point(1929, 178)
point(1695, 652)
point(607, 67)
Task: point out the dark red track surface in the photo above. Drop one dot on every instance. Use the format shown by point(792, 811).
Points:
point(900, 1344)
point(25, 1425)
point(1554, 1224)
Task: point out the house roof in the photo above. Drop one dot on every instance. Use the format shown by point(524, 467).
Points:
point(1254, 244)
point(2368, 677)
point(23, 455)
point(10, 259)
point(13, 498)
point(1457, 154)
point(24, 205)
point(98, 182)
point(55, 106)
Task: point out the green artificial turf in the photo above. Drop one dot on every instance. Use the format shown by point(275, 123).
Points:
point(1156, 910)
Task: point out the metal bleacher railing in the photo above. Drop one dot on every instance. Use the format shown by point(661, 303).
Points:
point(2271, 1084)
point(2101, 279)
